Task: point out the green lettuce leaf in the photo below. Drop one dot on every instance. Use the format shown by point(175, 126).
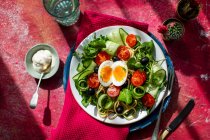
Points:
point(125, 96)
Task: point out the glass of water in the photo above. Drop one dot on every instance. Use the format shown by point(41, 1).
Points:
point(65, 12)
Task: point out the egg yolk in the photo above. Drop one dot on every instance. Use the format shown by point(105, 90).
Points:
point(119, 73)
point(106, 73)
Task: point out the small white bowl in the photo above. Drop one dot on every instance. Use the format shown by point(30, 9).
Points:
point(54, 64)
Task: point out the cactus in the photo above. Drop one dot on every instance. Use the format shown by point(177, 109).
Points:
point(173, 30)
point(188, 9)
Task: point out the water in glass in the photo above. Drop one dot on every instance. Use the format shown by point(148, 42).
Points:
point(66, 12)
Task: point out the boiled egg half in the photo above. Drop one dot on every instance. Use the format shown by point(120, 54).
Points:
point(105, 73)
point(119, 73)
point(112, 72)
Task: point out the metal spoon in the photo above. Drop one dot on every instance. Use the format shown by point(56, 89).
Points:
point(34, 98)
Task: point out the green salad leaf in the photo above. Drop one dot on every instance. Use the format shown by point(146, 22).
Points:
point(133, 63)
point(93, 48)
point(98, 42)
point(125, 96)
point(148, 47)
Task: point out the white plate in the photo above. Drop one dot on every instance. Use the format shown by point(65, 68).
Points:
point(91, 110)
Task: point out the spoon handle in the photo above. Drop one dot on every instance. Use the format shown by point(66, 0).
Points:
point(34, 99)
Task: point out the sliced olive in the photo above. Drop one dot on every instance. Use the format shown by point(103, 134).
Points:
point(144, 60)
point(91, 91)
point(96, 69)
point(115, 58)
point(119, 109)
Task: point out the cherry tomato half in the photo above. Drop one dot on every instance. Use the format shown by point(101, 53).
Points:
point(123, 53)
point(131, 40)
point(138, 78)
point(93, 81)
point(148, 100)
point(101, 57)
point(113, 91)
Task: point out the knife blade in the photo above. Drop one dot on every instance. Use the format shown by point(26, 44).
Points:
point(177, 121)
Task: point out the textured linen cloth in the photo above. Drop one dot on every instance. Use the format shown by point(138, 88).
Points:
point(75, 123)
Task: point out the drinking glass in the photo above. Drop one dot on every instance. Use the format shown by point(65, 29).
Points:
point(65, 12)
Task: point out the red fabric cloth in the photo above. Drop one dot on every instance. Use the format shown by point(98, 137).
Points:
point(75, 123)
point(92, 21)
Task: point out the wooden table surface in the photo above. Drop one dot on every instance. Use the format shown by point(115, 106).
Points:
point(25, 23)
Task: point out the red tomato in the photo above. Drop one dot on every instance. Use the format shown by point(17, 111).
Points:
point(123, 53)
point(101, 57)
point(148, 100)
point(131, 40)
point(138, 78)
point(113, 91)
point(93, 81)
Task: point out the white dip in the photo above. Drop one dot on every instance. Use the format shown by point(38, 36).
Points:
point(42, 60)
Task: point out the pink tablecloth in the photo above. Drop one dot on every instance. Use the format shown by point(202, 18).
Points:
point(24, 23)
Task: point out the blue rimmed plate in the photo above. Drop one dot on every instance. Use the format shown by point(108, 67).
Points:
point(142, 121)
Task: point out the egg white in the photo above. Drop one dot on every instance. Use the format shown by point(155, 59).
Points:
point(104, 64)
point(121, 64)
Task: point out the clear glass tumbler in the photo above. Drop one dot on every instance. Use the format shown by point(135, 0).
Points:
point(65, 12)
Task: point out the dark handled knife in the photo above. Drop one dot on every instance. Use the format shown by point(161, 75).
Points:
point(177, 121)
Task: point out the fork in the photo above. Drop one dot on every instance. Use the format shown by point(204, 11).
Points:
point(168, 90)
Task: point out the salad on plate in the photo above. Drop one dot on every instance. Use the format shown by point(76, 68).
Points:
point(119, 75)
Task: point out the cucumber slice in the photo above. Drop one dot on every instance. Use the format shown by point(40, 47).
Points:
point(123, 35)
point(158, 77)
point(156, 67)
point(138, 37)
point(156, 82)
point(84, 74)
point(101, 99)
point(154, 91)
point(114, 36)
point(86, 101)
point(76, 77)
point(91, 66)
point(82, 85)
point(86, 62)
point(80, 67)
point(151, 89)
point(111, 47)
point(105, 102)
point(138, 92)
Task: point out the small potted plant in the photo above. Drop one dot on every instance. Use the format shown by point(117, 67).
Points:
point(172, 29)
point(188, 9)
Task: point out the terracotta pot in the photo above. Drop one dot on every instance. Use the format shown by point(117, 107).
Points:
point(188, 9)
